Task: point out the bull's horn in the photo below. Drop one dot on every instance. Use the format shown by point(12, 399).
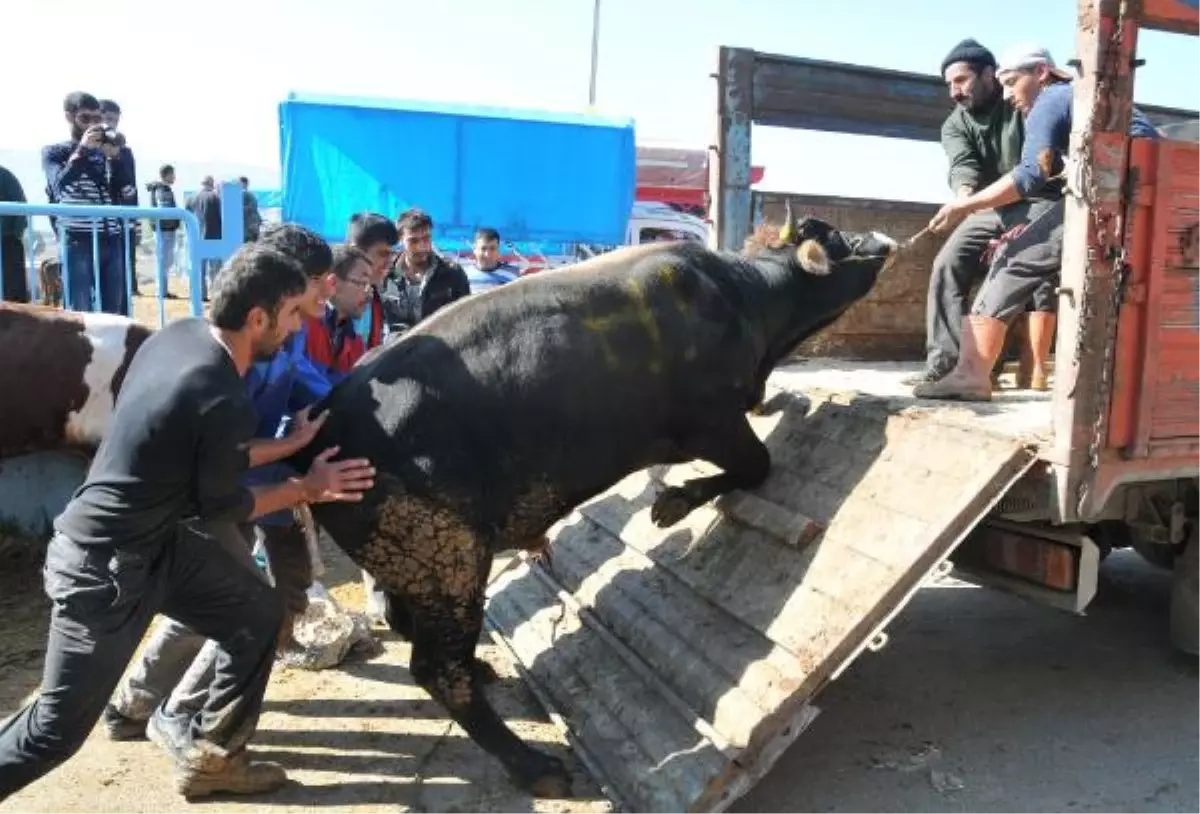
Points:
point(788, 231)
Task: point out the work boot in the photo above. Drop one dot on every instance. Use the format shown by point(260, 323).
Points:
point(235, 774)
point(983, 340)
point(121, 727)
point(1035, 352)
point(201, 768)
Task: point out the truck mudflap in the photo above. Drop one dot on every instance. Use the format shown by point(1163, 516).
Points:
point(682, 662)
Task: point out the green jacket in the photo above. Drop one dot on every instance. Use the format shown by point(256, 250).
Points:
point(11, 192)
point(984, 146)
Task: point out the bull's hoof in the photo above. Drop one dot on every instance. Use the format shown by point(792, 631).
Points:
point(483, 673)
point(545, 777)
point(671, 506)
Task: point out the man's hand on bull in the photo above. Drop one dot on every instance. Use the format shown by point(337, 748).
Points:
point(328, 481)
point(300, 432)
point(948, 217)
point(303, 428)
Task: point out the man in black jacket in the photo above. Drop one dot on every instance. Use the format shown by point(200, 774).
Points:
point(126, 547)
point(421, 281)
point(12, 242)
point(206, 206)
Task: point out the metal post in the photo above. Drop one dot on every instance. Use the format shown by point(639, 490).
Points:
point(595, 52)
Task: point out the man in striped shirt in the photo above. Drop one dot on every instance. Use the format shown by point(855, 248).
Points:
point(85, 170)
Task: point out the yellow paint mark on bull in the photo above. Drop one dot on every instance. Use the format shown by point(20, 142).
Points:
point(638, 312)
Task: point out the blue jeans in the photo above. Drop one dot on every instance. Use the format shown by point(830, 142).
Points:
point(79, 263)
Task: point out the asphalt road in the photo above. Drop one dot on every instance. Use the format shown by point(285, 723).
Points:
point(986, 702)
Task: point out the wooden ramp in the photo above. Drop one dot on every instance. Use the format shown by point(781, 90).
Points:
point(683, 661)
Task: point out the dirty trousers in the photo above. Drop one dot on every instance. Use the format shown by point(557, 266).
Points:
point(103, 600)
point(178, 664)
point(1027, 266)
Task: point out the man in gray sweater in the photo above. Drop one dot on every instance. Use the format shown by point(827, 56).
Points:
point(982, 138)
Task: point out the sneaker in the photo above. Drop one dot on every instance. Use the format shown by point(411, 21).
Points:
point(925, 376)
point(120, 727)
point(237, 774)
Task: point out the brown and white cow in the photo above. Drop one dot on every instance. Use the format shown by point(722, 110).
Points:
point(60, 372)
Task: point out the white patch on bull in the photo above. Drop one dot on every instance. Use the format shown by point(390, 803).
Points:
point(812, 257)
point(106, 333)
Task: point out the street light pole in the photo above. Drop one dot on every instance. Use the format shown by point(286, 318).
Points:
point(595, 51)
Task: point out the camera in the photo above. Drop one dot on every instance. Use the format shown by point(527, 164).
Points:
point(110, 136)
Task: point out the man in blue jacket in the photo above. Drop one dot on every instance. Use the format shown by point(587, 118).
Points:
point(1044, 94)
point(177, 664)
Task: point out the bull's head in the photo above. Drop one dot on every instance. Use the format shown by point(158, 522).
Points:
point(818, 272)
point(815, 245)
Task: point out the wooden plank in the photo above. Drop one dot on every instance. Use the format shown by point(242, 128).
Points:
point(725, 672)
point(656, 759)
point(812, 94)
point(714, 633)
point(1175, 16)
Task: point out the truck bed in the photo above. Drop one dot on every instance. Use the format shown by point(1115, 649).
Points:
point(681, 662)
point(1019, 414)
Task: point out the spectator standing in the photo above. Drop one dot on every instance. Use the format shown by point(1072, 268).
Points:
point(85, 170)
point(206, 206)
point(421, 281)
point(333, 344)
point(251, 218)
point(126, 194)
point(167, 231)
point(373, 235)
point(489, 272)
point(12, 243)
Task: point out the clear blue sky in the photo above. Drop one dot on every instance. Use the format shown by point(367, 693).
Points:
point(199, 83)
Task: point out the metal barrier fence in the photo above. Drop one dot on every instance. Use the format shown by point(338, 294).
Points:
point(80, 228)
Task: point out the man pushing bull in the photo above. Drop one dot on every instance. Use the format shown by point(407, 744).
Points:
point(176, 667)
point(179, 442)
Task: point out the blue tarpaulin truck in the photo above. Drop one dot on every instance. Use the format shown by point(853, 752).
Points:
point(536, 177)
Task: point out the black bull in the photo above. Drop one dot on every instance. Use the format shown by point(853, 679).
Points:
point(495, 418)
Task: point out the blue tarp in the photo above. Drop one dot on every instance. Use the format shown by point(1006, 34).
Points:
point(534, 176)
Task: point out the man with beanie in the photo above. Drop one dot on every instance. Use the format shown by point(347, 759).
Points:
point(982, 138)
point(1030, 262)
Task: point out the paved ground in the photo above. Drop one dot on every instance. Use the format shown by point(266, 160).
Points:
point(1027, 709)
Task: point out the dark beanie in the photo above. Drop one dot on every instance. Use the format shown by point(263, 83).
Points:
point(972, 52)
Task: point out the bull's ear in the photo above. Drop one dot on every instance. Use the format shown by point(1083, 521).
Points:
point(812, 257)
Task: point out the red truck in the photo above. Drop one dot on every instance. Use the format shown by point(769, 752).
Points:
point(683, 661)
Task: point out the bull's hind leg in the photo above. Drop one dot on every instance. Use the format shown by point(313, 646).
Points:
point(446, 631)
point(730, 444)
point(438, 566)
point(400, 620)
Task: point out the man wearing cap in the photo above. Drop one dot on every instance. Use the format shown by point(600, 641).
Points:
point(1031, 260)
point(982, 138)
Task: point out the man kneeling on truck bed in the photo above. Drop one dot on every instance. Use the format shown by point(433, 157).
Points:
point(1044, 95)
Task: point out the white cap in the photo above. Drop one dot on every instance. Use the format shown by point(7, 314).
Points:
point(1026, 56)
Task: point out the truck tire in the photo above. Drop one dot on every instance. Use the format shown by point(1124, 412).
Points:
point(1112, 535)
point(1185, 597)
